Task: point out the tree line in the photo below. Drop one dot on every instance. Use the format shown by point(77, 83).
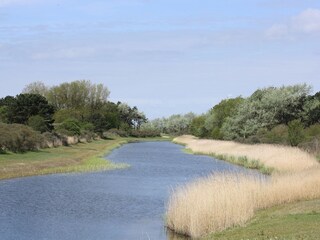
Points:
point(283, 115)
point(78, 108)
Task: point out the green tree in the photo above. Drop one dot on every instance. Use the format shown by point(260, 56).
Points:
point(219, 114)
point(295, 132)
point(38, 123)
point(111, 114)
point(312, 110)
point(78, 95)
point(176, 124)
point(24, 106)
point(70, 127)
point(197, 126)
point(266, 108)
point(99, 122)
point(5, 103)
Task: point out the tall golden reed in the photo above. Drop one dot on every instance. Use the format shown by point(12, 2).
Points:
point(225, 200)
point(281, 158)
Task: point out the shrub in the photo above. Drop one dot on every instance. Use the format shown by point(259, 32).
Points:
point(38, 123)
point(117, 132)
point(19, 138)
point(278, 135)
point(312, 132)
point(295, 132)
point(69, 127)
point(144, 133)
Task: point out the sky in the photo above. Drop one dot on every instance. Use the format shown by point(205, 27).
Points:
point(165, 56)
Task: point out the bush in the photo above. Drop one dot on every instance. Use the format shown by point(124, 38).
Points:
point(278, 135)
point(295, 132)
point(144, 133)
point(69, 127)
point(38, 123)
point(312, 132)
point(116, 132)
point(19, 138)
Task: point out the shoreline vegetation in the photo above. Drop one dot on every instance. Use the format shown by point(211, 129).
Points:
point(220, 202)
point(81, 157)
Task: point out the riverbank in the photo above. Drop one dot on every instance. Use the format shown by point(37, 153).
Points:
point(225, 201)
point(264, 157)
point(82, 157)
point(300, 220)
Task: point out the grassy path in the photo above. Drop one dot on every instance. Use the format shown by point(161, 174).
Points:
point(83, 157)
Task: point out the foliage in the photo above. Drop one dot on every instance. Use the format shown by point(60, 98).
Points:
point(20, 108)
point(36, 88)
point(87, 103)
point(144, 133)
point(174, 125)
point(278, 135)
point(77, 95)
point(197, 126)
point(18, 138)
point(219, 114)
point(266, 108)
point(38, 123)
point(295, 132)
point(116, 132)
point(64, 114)
point(131, 116)
point(312, 131)
point(69, 127)
point(312, 110)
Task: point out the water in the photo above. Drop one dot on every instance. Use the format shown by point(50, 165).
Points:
point(120, 204)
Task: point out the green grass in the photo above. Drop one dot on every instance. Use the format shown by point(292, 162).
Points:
point(291, 221)
point(187, 151)
point(82, 157)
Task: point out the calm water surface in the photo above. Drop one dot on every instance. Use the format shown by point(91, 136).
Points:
point(120, 204)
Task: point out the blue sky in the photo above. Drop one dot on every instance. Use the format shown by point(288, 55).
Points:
point(165, 56)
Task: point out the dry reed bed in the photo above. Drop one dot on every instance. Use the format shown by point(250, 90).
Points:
point(225, 200)
point(281, 158)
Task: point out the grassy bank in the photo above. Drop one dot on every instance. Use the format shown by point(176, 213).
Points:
point(224, 201)
point(75, 158)
point(299, 220)
point(82, 157)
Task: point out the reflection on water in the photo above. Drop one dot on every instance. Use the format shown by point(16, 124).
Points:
point(120, 204)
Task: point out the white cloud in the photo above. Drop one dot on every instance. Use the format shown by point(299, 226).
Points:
point(307, 22)
point(277, 31)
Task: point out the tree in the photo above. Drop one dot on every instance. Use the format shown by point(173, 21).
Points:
point(267, 108)
point(312, 110)
point(78, 95)
point(219, 114)
point(111, 114)
point(176, 124)
point(25, 106)
point(38, 123)
point(36, 88)
point(70, 127)
point(197, 126)
point(99, 122)
point(137, 117)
